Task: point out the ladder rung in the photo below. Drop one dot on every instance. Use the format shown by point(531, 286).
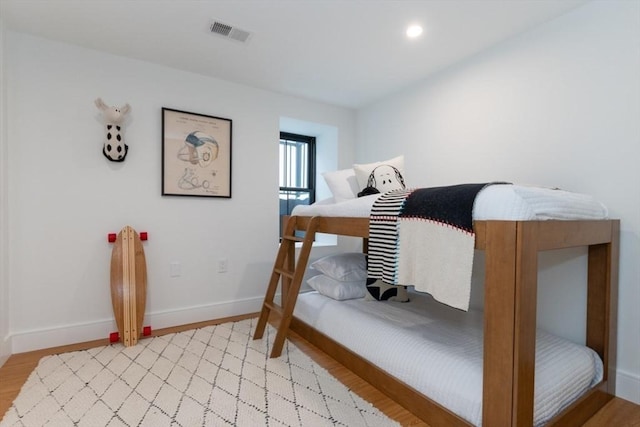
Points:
point(284, 272)
point(293, 238)
point(273, 307)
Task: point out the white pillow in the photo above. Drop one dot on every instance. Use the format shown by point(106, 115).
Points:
point(345, 267)
point(336, 289)
point(343, 184)
point(384, 176)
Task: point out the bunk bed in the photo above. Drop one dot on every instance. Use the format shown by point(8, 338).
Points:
point(511, 249)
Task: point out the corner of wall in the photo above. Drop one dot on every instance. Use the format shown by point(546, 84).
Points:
point(5, 344)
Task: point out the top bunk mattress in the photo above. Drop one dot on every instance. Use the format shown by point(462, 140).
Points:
point(495, 202)
point(437, 350)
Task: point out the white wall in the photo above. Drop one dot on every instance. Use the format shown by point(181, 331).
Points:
point(557, 106)
point(64, 196)
point(5, 349)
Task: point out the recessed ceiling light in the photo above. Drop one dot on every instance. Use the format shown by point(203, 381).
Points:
point(414, 31)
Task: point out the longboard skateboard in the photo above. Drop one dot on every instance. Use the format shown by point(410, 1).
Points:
point(128, 285)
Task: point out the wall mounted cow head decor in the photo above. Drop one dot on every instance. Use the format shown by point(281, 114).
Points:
point(114, 147)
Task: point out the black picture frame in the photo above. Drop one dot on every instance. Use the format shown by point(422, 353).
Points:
point(196, 154)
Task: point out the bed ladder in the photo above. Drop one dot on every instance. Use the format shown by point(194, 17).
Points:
point(290, 273)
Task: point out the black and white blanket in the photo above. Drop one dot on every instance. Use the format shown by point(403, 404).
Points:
point(425, 238)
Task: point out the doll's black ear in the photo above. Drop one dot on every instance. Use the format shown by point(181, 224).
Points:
point(367, 191)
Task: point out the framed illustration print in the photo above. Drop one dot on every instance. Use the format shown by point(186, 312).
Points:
point(196, 154)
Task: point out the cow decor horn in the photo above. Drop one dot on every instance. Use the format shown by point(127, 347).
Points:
point(114, 147)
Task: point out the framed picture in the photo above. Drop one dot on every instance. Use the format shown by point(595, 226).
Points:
point(196, 154)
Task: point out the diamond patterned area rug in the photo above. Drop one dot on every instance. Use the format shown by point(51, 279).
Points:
point(213, 376)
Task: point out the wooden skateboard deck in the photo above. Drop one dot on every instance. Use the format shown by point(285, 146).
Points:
point(128, 285)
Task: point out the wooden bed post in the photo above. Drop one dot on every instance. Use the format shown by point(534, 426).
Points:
point(602, 304)
point(602, 312)
point(509, 323)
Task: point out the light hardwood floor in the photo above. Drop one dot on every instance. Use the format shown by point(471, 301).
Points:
point(13, 374)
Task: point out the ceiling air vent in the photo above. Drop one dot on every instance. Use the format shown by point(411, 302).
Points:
point(229, 31)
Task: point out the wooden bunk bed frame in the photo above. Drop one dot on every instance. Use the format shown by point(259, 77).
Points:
point(511, 266)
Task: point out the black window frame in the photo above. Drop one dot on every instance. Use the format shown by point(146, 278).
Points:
point(311, 169)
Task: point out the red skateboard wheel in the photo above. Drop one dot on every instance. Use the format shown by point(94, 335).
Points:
point(114, 337)
point(112, 237)
point(144, 235)
point(146, 331)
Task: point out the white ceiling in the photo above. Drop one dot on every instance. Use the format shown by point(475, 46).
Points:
point(343, 52)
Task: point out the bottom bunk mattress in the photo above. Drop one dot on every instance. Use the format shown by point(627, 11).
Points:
point(437, 350)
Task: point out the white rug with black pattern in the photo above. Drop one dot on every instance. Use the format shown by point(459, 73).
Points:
point(213, 376)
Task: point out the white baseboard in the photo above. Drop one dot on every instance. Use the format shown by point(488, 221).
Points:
point(69, 334)
point(628, 386)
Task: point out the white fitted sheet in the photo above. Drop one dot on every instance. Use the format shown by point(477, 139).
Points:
point(498, 202)
point(437, 350)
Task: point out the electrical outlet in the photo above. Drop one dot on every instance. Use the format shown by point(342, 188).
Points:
point(175, 269)
point(223, 265)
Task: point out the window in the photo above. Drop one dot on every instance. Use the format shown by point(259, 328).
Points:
point(297, 171)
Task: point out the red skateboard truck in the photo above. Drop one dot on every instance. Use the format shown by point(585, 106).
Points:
point(115, 336)
point(111, 237)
